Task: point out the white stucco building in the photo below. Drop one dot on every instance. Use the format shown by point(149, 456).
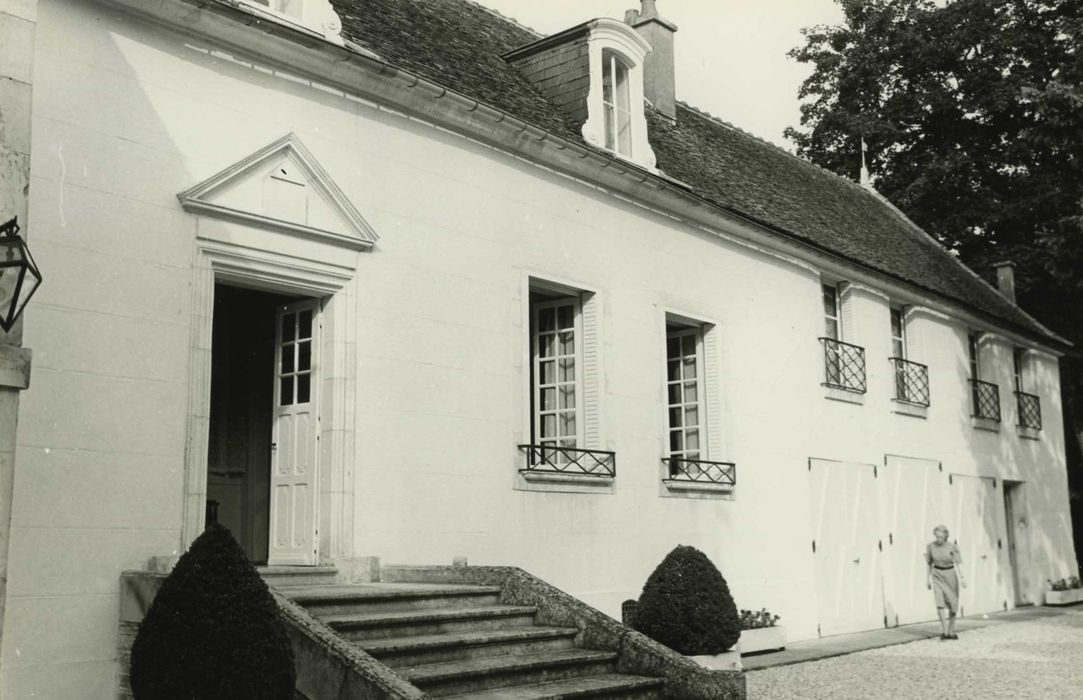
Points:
point(401, 279)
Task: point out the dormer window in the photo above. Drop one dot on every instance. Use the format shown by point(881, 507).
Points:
point(317, 16)
point(617, 101)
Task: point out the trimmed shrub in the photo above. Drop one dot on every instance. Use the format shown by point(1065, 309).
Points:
point(687, 606)
point(213, 631)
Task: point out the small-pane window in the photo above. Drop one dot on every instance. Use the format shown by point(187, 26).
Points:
point(1018, 357)
point(295, 358)
point(972, 347)
point(898, 333)
point(832, 327)
point(684, 391)
point(616, 101)
point(555, 377)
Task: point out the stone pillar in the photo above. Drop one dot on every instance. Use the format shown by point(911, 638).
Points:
point(18, 22)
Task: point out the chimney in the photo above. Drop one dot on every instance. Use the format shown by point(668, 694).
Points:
point(1006, 279)
point(659, 80)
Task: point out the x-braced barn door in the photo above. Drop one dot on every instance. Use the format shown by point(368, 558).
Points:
point(295, 435)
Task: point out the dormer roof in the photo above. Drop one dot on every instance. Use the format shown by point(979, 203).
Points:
point(461, 46)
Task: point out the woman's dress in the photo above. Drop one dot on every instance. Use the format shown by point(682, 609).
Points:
point(944, 558)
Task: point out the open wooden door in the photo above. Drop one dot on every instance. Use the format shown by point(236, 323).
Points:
point(295, 435)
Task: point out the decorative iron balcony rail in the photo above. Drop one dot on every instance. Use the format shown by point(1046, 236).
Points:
point(844, 365)
point(986, 399)
point(701, 470)
point(911, 381)
point(1030, 410)
point(551, 459)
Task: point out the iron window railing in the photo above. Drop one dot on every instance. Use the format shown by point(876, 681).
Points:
point(701, 471)
point(986, 399)
point(550, 459)
point(911, 381)
point(844, 365)
point(1030, 410)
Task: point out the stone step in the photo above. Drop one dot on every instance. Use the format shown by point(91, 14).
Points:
point(470, 675)
point(430, 649)
point(605, 686)
point(389, 597)
point(382, 625)
point(283, 576)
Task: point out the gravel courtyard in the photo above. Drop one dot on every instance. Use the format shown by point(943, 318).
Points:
point(1040, 659)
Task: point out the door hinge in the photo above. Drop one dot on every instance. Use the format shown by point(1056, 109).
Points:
point(940, 466)
point(818, 632)
point(875, 472)
point(1005, 605)
point(891, 539)
point(950, 480)
point(994, 482)
point(814, 546)
point(885, 621)
point(1000, 545)
point(880, 546)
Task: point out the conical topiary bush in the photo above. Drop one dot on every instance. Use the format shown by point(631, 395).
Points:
point(687, 606)
point(213, 631)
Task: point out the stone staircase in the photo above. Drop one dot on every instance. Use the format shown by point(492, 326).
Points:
point(459, 641)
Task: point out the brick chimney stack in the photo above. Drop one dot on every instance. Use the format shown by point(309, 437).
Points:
point(1006, 279)
point(659, 74)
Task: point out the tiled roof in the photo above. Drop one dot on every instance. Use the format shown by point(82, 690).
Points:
point(458, 44)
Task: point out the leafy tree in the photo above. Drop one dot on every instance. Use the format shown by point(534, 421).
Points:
point(972, 116)
point(213, 631)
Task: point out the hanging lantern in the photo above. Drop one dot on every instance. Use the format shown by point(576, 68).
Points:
point(19, 276)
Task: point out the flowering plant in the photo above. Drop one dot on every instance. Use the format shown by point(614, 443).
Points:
point(756, 620)
point(1067, 584)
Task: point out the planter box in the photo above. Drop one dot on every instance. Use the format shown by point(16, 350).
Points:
point(1069, 597)
point(726, 661)
point(762, 639)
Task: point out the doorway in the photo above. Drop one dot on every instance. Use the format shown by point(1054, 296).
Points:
point(1018, 556)
point(262, 429)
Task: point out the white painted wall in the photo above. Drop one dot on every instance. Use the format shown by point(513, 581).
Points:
point(128, 114)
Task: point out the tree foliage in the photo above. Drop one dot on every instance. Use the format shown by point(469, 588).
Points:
point(213, 631)
point(972, 115)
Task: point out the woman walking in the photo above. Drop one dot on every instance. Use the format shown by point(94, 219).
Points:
point(944, 578)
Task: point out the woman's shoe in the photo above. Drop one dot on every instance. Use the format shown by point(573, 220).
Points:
point(944, 636)
point(953, 636)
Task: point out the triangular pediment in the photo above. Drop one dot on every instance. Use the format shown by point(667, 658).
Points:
point(282, 186)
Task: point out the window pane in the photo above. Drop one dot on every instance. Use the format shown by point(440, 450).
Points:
point(547, 373)
point(831, 329)
point(897, 348)
point(896, 323)
point(288, 321)
point(607, 78)
point(691, 439)
point(304, 383)
point(567, 396)
point(305, 330)
point(674, 394)
point(287, 358)
point(673, 348)
point(285, 395)
point(691, 415)
point(830, 301)
point(567, 423)
point(546, 344)
point(567, 342)
point(690, 367)
point(548, 399)
point(567, 370)
point(566, 316)
point(549, 426)
point(676, 441)
point(690, 393)
point(675, 418)
point(688, 344)
point(547, 319)
point(610, 128)
point(624, 132)
point(304, 359)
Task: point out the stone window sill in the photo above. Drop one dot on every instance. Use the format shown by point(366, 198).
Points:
point(834, 393)
point(564, 483)
point(988, 424)
point(1028, 433)
point(678, 488)
point(905, 408)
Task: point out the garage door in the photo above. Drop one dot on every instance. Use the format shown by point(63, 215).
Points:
point(975, 527)
point(913, 500)
point(849, 590)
